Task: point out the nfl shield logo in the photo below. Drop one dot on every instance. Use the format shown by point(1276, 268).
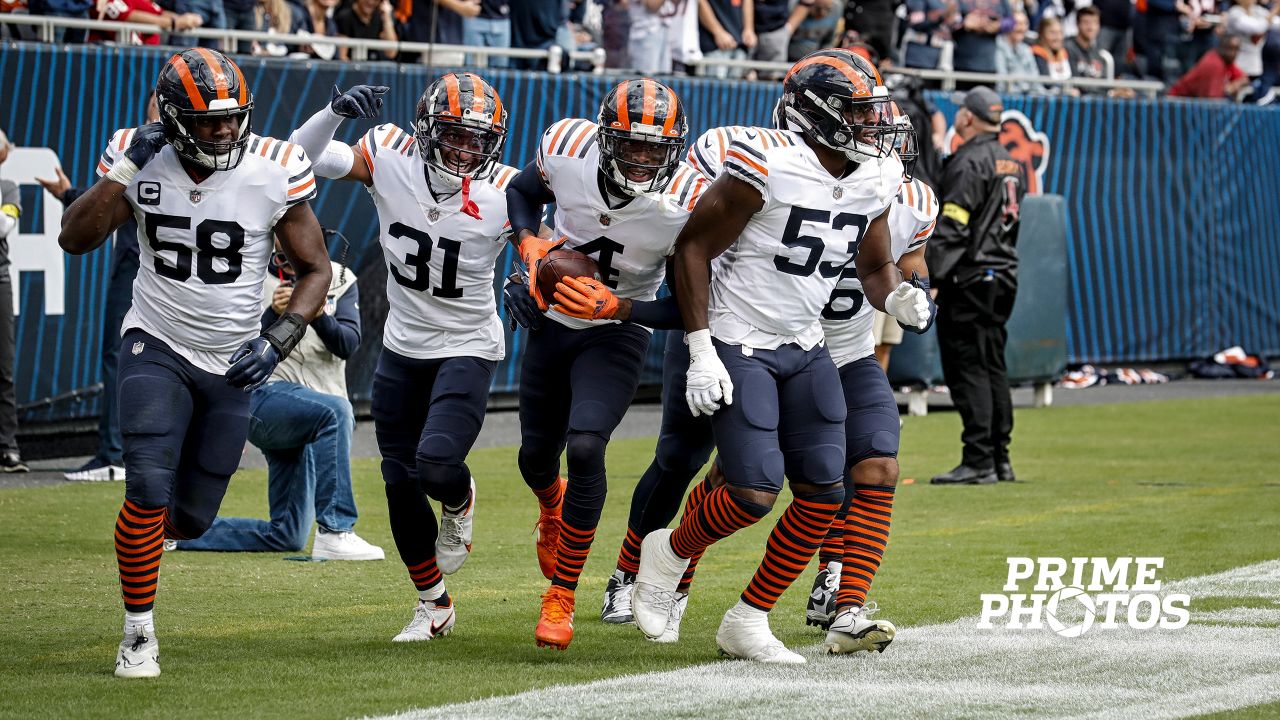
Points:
point(137, 347)
point(837, 192)
point(605, 220)
point(433, 214)
point(196, 196)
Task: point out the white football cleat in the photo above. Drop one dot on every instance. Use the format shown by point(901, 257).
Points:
point(95, 471)
point(617, 599)
point(344, 546)
point(656, 583)
point(744, 633)
point(139, 655)
point(672, 633)
point(853, 630)
point(429, 621)
point(453, 543)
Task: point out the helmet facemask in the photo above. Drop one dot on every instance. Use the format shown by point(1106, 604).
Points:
point(860, 127)
point(641, 160)
point(905, 144)
point(180, 126)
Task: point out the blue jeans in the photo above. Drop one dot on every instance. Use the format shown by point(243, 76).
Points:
point(487, 32)
point(119, 297)
point(306, 438)
point(241, 19)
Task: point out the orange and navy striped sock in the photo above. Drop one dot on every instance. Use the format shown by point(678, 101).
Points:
point(425, 575)
point(696, 497)
point(629, 555)
point(719, 516)
point(575, 545)
point(832, 549)
point(866, 533)
point(139, 547)
point(791, 545)
point(552, 495)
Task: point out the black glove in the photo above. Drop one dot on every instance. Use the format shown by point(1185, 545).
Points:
point(361, 101)
point(252, 364)
point(521, 307)
point(147, 141)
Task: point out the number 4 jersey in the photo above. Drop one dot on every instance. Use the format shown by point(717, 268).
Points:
point(440, 260)
point(205, 246)
point(770, 286)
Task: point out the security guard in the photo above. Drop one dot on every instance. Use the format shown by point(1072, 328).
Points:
point(973, 261)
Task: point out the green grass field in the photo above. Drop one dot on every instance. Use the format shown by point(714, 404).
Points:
point(254, 636)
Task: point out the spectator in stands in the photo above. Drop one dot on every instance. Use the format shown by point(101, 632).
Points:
point(874, 22)
point(63, 8)
point(1083, 51)
point(1199, 32)
point(1051, 54)
point(818, 28)
point(302, 421)
point(537, 25)
point(10, 211)
point(774, 20)
point(212, 13)
point(1116, 34)
point(615, 32)
point(366, 20)
point(317, 19)
point(648, 48)
point(1014, 57)
point(1216, 76)
point(1157, 26)
point(929, 24)
point(490, 28)
point(974, 29)
point(145, 12)
point(241, 15)
point(726, 32)
point(1251, 20)
point(108, 462)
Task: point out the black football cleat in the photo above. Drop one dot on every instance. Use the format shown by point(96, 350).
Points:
point(1004, 472)
point(966, 475)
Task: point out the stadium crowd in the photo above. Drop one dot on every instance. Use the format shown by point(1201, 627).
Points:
point(1162, 40)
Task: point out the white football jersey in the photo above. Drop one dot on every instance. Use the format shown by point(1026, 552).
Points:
point(630, 244)
point(770, 286)
point(205, 246)
point(848, 318)
point(440, 260)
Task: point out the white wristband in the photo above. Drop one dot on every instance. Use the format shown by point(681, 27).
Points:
point(122, 172)
point(699, 342)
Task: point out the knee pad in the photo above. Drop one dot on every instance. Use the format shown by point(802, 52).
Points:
point(538, 460)
point(440, 447)
point(394, 473)
point(448, 483)
point(876, 444)
point(680, 453)
point(184, 524)
point(584, 453)
point(824, 464)
point(755, 468)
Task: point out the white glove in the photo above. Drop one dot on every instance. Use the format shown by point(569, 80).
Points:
point(909, 305)
point(707, 382)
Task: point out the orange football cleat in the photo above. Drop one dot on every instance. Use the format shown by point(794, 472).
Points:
point(547, 533)
point(555, 625)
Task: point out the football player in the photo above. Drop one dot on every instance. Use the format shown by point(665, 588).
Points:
point(439, 193)
point(208, 196)
point(783, 222)
point(621, 195)
point(855, 544)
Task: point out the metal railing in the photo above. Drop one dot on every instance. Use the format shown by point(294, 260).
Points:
point(359, 48)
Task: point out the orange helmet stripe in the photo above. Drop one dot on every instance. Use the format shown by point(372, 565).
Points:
point(673, 109)
point(451, 84)
point(623, 118)
point(188, 82)
point(477, 93)
point(859, 83)
point(244, 87)
point(219, 76)
point(650, 101)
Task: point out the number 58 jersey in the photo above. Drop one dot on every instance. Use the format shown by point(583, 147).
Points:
point(204, 247)
point(440, 258)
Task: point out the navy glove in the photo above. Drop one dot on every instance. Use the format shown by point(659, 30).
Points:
point(923, 284)
point(147, 141)
point(252, 364)
point(521, 307)
point(361, 101)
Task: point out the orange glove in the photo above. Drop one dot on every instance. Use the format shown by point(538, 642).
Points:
point(533, 248)
point(586, 298)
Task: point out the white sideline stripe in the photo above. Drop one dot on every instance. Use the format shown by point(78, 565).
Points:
point(954, 670)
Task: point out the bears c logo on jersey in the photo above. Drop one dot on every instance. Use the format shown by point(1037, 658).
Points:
point(1028, 146)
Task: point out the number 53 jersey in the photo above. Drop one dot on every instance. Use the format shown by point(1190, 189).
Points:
point(205, 246)
point(440, 259)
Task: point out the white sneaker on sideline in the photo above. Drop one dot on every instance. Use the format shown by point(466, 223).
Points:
point(429, 621)
point(655, 590)
point(95, 471)
point(139, 655)
point(672, 633)
point(453, 542)
point(344, 546)
point(744, 633)
point(853, 630)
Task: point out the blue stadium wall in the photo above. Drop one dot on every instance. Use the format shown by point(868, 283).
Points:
point(1172, 206)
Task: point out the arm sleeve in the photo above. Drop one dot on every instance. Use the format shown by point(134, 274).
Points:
point(71, 195)
point(660, 314)
point(526, 196)
point(340, 332)
point(330, 158)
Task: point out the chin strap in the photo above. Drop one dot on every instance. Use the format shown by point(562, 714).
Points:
point(468, 206)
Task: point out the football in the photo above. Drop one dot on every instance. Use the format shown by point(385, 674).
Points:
point(563, 263)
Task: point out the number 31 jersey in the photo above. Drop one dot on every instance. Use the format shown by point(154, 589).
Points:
point(205, 246)
point(440, 260)
point(770, 286)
